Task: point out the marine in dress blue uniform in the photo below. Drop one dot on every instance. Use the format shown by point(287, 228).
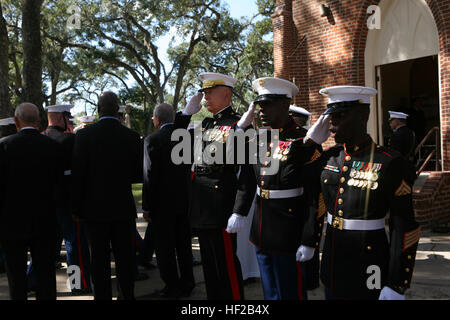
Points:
point(311, 267)
point(284, 229)
point(363, 183)
point(403, 138)
point(73, 231)
point(221, 193)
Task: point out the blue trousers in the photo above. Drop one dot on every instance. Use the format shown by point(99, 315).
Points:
point(282, 276)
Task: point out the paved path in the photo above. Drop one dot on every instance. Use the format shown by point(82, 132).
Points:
point(431, 278)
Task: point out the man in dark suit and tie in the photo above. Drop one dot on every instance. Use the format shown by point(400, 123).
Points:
point(165, 200)
point(107, 160)
point(30, 170)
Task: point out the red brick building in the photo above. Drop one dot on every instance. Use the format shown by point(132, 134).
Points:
point(399, 47)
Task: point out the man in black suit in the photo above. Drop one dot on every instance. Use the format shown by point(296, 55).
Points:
point(165, 200)
point(30, 170)
point(107, 160)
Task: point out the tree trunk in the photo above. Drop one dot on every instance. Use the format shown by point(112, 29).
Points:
point(32, 52)
point(5, 104)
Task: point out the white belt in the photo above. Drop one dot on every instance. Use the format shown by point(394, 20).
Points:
point(354, 224)
point(279, 194)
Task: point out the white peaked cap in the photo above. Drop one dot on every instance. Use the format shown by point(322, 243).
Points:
point(299, 110)
point(59, 108)
point(212, 79)
point(348, 93)
point(397, 115)
point(7, 121)
point(274, 86)
point(86, 119)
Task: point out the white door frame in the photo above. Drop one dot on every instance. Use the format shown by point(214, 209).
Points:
point(408, 31)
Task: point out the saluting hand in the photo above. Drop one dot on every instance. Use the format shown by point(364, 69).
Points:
point(194, 105)
point(320, 131)
point(247, 118)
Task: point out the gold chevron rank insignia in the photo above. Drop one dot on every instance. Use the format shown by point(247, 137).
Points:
point(403, 189)
point(411, 238)
point(315, 156)
point(322, 207)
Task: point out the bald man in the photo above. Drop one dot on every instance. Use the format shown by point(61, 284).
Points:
point(165, 202)
point(30, 170)
point(107, 160)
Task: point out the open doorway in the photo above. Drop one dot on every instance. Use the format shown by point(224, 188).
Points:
point(410, 86)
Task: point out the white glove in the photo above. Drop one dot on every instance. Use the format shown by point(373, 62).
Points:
point(389, 294)
point(304, 253)
point(247, 118)
point(235, 223)
point(320, 131)
point(193, 105)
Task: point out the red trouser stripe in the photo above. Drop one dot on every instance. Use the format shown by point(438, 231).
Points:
point(229, 256)
point(299, 281)
point(80, 256)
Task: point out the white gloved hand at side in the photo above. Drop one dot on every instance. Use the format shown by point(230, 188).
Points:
point(320, 131)
point(194, 105)
point(304, 253)
point(247, 118)
point(389, 294)
point(235, 223)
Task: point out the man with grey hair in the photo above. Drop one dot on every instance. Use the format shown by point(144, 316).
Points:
point(30, 170)
point(162, 181)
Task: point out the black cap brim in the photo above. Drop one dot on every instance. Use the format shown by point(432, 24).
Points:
point(68, 114)
point(270, 97)
point(343, 106)
point(217, 85)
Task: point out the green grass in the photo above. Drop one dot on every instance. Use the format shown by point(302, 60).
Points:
point(137, 194)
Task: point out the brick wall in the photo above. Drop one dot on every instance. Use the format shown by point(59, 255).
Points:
point(432, 201)
point(325, 51)
point(441, 14)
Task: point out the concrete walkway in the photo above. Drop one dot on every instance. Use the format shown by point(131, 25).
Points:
point(431, 278)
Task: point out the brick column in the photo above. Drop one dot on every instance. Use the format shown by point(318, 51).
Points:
point(283, 38)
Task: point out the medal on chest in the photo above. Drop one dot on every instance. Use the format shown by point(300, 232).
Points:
point(364, 175)
point(219, 134)
point(282, 150)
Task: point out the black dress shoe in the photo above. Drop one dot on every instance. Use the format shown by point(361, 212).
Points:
point(140, 276)
point(169, 293)
point(81, 292)
point(148, 265)
point(195, 262)
point(186, 292)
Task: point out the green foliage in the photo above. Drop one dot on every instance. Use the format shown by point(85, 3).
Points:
point(116, 49)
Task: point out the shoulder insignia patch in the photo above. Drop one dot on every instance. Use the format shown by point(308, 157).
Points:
point(403, 189)
point(411, 238)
